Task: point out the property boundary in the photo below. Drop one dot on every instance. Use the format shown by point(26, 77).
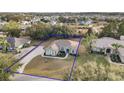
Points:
point(8, 69)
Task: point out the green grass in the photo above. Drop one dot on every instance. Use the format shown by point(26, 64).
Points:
point(54, 68)
point(86, 56)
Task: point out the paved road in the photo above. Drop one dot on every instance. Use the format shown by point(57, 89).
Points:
point(20, 77)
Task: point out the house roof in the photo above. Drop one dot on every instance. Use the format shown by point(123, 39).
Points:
point(11, 39)
point(21, 41)
point(106, 42)
point(57, 44)
point(121, 51)
point(18, 41)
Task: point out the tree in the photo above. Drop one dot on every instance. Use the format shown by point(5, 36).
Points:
point(5, 61)
point(85, 19)
point(95, 19)
point(116, 46)
point(12, 17)
point(121, 29)
point(12, 28)
point(111, 30)
point(62, 19)
point(92, 71)
point(4, 45)
point(38, 31)
point(58, 29)
point(88, 39)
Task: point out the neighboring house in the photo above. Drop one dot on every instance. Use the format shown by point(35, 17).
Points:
point(18, 42)
point(53, 22)
point(104, 45)
point(67, 46)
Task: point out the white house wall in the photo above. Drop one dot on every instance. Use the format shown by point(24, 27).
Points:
point(122, 58)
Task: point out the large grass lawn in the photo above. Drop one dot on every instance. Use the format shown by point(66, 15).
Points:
point(53, 68)
point(87, 57)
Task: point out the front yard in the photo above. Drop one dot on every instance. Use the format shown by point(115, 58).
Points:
point(53, 68)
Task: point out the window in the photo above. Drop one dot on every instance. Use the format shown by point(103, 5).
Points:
point(108, 50)
point(72, 51)
point(67, 50)
point(53, 53)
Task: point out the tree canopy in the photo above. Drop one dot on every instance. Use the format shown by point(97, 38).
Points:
point(5, 61)
point(111, 30)
point(121, 29)
point(38, 31)
point(12, 28)
point(91, 71)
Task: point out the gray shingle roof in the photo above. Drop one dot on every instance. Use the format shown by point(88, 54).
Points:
point(21, 41)
point(121, 51)
point(17, 41)
point(57, 44)
point(106, 42)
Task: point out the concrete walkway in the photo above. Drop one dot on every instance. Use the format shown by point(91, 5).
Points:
point(56, 57)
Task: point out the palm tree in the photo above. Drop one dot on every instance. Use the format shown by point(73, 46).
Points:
point(116, 46)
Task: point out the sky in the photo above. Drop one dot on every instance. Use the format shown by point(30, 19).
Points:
point(61, 6)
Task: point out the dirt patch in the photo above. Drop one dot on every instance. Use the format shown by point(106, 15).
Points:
point(82, 49)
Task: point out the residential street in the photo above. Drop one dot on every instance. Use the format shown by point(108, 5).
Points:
point(20, 77)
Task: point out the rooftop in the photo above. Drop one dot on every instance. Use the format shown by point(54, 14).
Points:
point(18, 41)
point(121, 51)
point(106, 42)
point(62, 43)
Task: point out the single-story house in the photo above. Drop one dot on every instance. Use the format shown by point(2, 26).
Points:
point(18, 42)
point(104, 45)
point(67, 46)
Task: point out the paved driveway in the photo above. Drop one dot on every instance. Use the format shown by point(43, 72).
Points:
point(38, 51)
point(19, 77)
